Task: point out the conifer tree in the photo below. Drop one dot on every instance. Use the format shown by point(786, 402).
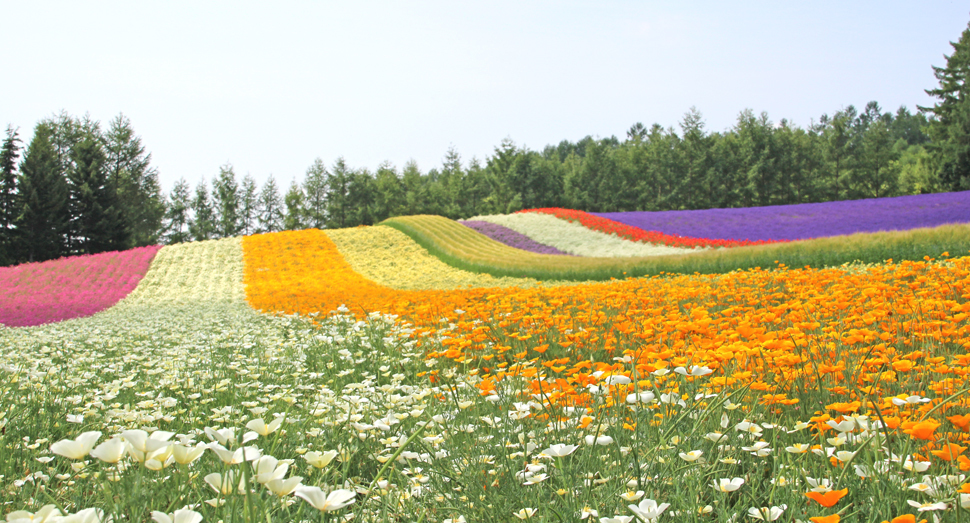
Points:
point(9, 154)
point(97, 223)
point(177, 214)
point(248, 206)
point(225, 196)
point(270, 207)
point(202, 225)
point(295, 211)
point(42, 223)
point(129, 170)
point(949, 131)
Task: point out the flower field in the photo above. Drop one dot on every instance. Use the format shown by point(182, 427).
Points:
point(510, 237)
point(360, 375)
point(806, 220)
point(577, 238)
point(57, 290)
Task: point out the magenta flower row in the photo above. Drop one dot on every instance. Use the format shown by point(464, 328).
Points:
point(57, 290)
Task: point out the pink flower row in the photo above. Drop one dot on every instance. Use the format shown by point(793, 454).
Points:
point(57, 290)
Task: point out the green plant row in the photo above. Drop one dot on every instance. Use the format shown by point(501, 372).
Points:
point(464, 248)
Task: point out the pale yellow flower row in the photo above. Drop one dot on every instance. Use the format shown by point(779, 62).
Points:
point(390, 258)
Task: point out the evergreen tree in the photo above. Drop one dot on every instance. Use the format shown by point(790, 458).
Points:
point(139, 195)
point(42, 224)
point(9, 154)
point(315, 191)
point(338, 189)
point(949, 130)
point(202, 226)
point(177, 214)
point(248, 206)
point(96, 221)
point(225, 195)
point(270, 207)
point(295, 212)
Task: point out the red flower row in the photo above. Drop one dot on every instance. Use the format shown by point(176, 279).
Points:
point(637, 234)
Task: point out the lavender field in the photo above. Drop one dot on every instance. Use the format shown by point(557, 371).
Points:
point(511, 238)
point(807, 220)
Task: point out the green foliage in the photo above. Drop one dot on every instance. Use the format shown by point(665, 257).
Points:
point(177, 213)
point(9, 154)
point(97, 224)
point(42, 224)
point(130, 172)
point(225, 195)
point(270, 208)
point(949, 130)
point(202, 226)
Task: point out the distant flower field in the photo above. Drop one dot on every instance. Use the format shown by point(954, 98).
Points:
point(37, 293)
point(807, 220)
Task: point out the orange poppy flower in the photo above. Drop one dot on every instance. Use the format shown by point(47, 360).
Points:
point(949, 452)
point(834, 518)
point(962, 421)
point(921, 429)
point(829, 498)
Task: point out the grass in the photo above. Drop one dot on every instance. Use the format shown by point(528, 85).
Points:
point(464, 248)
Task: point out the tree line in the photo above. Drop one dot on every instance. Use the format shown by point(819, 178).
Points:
point(80, 189)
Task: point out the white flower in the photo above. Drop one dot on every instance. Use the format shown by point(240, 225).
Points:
point(46, 513)
point(525, 513)
point(598, 440)
point(766, 513)
point(924, 507)
point(642, 397)
point(648, 509)
point(693, 455)
point(799, 448)
point(110, 451)
point(559, 450)
point(617, 519)
point(320, 459)
point(77, 448)
point(335, 500)
point(728, 484)
point(617, 379)
point(693, 370)
point(632, 496)
point(587, 512)
point(179, 516)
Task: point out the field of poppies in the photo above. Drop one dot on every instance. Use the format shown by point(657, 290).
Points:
point(358, 375)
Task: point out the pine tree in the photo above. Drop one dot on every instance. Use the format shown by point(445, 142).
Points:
point(42, 223)
point(202, 226)
point(225, 196)
point(177, 214)
point(96, 221)
point(270, 208)
point(9, 154)
point(295, 212)
point(315, 189)
point(139, 194)
point(949, 130)
point(248, 206)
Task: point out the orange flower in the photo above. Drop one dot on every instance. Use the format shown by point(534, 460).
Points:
point(905, 518)
point(961, 420)
point(827, 499)
point(949, 452)
point(921, 429)
point(834, 518)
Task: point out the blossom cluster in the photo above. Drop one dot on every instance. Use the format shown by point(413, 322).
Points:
point(576, 238)
point(640, 234)
point(56, 290)
point(510, 237)
point(806, 220)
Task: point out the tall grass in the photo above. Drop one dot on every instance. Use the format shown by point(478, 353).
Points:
point(467, 249)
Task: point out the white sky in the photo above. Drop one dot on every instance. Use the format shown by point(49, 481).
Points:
point(269, 86)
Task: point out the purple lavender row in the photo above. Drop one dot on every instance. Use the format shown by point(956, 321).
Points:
point(511, 238)
point(806, 220)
